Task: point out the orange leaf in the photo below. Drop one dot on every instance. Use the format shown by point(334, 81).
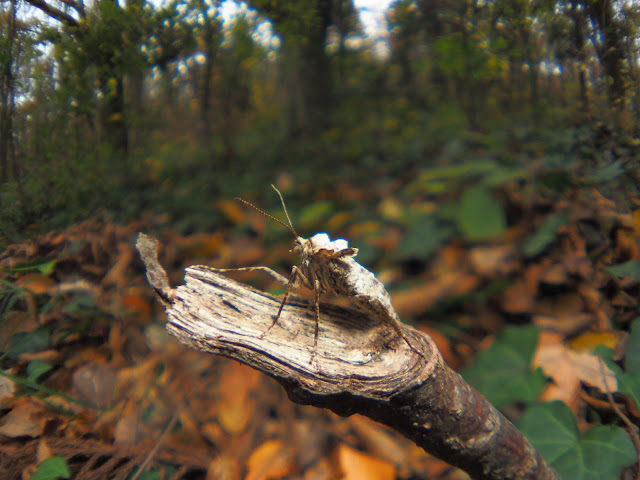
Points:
point(232, 210)
point(356, 465)
point(235, 406)
point(137, 304)
point(517, 298)
point(36, 283)
point(271, 460)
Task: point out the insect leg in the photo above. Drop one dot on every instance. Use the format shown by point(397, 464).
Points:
point(317, 300)
point(291, 283)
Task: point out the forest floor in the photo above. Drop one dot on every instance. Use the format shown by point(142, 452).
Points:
point(90, 374)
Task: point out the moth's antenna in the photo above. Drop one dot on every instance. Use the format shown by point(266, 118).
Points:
point(284, 207)
point(290, 227)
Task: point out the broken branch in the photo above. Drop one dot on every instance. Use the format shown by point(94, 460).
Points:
point(360, 366)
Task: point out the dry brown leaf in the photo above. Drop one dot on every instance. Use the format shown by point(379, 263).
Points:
point(624, 300)
point(321, 470)
point(417, 300)
point(591, 297)
point(223, 467)
point(94, 383)
point(380, 442)
point(559, 305)
point(493, 261)
point(127, 428)
point(271, 460)
point(7, 389)
point(235, 406)
point(232, 210)
point(517, 298)
point(117, 274)
point(356, 466)
point(567, 324)
point(36, 283)
point(202, 245)
point(44, 451)
point(137, 304)
point(337, 221)
point(133, 382)
point(626, 244)
point(568, 368)
point(26, 419)
point(555, 274)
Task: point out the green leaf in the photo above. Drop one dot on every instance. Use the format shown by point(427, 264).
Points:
point(51, 469)
point(544, 235)
point(502, 373)
point(551, 428)
point(632, 359)
point(601, 453)
point(36, 369)
point(607, 449)
point(479, 215)
point(626, 269)
point(426, 233)
point(608, 172)
point(45, 267)
point(315, 213)
point(24, 342)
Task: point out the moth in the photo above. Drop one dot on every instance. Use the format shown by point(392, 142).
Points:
point(329, 266)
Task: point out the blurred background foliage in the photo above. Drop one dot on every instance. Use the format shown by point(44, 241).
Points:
point(129, 106)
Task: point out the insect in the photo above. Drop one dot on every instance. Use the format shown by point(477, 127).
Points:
point(329, 266)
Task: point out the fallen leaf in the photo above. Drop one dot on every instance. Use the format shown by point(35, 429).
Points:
point(566, 324)
point(493, 261)
point(568, 368)
point(517, 298)
point(127, 428)
point(44, 451)
point(223, 467)
point(417, 300)
point(235, 406)
point(271, 460)
point(356, 466)
point(117, 274)
point(36, 283)
point(26, 419)
point(380, 442)
point(94, 383)
point(7, 389)
point(588, 341)
point(232, 210)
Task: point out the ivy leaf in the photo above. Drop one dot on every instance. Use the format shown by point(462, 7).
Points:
point(601, 453)
point(425, 235)
point(36, 369)
point(479, 215)
point(52, 469)
point(502, 373)
point(544, 235)
point(630, 269)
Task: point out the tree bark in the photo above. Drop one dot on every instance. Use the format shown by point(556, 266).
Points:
point(360, 366)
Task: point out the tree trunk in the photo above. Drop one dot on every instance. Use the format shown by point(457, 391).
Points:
point(610, 48)
point(359, 366)
point(7, 93)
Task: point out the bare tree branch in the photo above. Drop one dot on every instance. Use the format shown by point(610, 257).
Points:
point(53, 12)
point(360, 366)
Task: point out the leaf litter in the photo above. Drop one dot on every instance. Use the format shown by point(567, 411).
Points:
point(113, 380)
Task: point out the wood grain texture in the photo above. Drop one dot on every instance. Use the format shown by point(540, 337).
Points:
point(360, 366)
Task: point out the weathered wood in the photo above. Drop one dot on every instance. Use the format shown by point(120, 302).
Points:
point(360, 366)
